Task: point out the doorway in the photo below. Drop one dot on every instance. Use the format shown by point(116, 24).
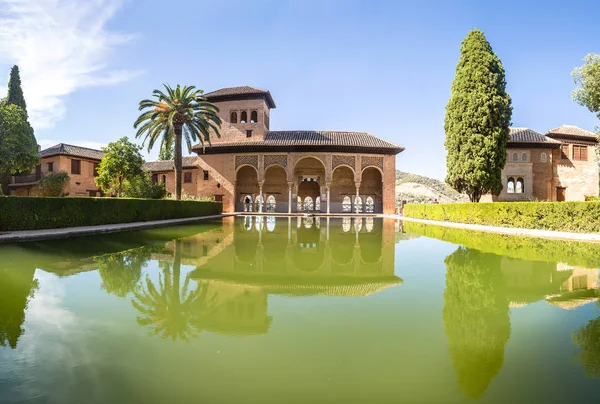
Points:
point(560, 194)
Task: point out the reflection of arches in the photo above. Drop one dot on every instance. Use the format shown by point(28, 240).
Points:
point(245, 243)
point(246, 185)
point(308, 254)
point(358, 224)
point(271, 221)
point(346, 224)
point(371, 187)
point(369, 224)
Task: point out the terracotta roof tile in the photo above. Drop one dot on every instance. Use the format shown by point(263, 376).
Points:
point(526, 135)
point(240, 91)
point(571, 131)
point(167, 165)
point(71, 150)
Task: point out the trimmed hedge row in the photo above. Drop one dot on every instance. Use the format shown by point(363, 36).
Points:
point(583, 217)
point(32, 213)
point(525, 248)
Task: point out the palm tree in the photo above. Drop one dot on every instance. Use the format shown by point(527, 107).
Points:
point(181, 112)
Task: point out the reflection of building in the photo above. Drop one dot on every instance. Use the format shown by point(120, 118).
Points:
point(251, 167)
point(258, 256)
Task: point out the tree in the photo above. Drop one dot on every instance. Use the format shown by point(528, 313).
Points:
point(18, 148)
point(142, 186)
point(587, 79)
point(15, 92)
point(477, 120)
point(167, 149)
point(122, 161)
point(181, 112)
point(53, 184)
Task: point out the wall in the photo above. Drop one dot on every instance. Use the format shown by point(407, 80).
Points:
point(580, 178)
point(237, 132)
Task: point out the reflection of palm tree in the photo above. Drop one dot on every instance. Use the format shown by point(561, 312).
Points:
point(476, 319)
point(168, 309)
point(121, 272)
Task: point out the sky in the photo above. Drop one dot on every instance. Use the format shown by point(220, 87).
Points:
point(384, 67)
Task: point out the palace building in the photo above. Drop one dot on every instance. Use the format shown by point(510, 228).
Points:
point(252, 168)
point(561, 165)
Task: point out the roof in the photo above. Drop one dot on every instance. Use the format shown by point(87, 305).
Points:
point(302, 140)
point(168, 165)
point(572, 131)
point(240, 91)
point(71, 150)
point(526, 136)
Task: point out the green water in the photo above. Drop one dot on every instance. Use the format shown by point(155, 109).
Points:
point(264, 310)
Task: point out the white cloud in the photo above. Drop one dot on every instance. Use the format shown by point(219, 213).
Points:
point(60, 46)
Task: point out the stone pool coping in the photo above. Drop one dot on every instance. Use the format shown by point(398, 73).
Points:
point(46, 234)
point(512, 231)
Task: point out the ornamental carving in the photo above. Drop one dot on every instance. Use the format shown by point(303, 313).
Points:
point(246, 160)
point(343, 160)
point(373, 161)
point(271, 159)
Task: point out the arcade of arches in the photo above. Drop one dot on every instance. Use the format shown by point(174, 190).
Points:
point(308, 185)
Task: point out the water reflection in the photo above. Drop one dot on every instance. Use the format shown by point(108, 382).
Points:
point(17, 288)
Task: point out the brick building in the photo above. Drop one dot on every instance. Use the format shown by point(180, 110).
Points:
point(559, 166)
point(80, 163)
point(252, 168)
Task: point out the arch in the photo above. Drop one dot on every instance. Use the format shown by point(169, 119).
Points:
point(358, 204)
point(520, 186)
point(233, 117)
point(308, 253)
point(369, 166)
point(244, 117)
point(308, 204)
point(253, 117)
point(258, 201)
point(276, 185)
point(307, 158)
point(246, 185)
point(271, 204)
point(358, 223)
point(510, 186)
point(299, 204)
point(318, 203)
point(515, 157)
point(371, 189)
point(543, 157)
point(346, 204)
point(247, 203)
point(308, 173)
point(343, 187)
point(271, 222)
point(524, 157)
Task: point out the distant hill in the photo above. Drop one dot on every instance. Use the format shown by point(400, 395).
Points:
point(415, 188)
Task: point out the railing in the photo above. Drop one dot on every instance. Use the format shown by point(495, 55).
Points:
point(23, 179)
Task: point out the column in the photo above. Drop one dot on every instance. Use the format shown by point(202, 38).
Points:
point(260, 205)
point(328, 185)
point(357, 184)
point(290, 185)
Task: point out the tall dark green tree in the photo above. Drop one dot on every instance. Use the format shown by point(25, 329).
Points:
point(477, 120)
point(15, 92)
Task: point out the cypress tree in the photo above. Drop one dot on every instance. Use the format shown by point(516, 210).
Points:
point(15, 92)
point(477, 120)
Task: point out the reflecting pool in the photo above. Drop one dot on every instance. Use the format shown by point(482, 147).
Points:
point(298, 310)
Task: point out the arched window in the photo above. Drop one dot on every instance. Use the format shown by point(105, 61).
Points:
point(233, 117)
point(308, 203)
point(358, 206)
point(510, 187)
point(247, 203)
point(515, 157)
point(253, 117)
point(271, 203)
point(370, 205)
point(369, 224)
point(347, 204)
point(318, 203)
point(358, 224)
point(524, 157)
point(244, 117)
point(258, 203)
point(543, 157)
point(346, 223)
point(520, 186)
point(299, 205)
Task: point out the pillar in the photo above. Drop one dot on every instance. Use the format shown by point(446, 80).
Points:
point(290, 185)
point(260, 205)
point(357, 185)
point(328, 185)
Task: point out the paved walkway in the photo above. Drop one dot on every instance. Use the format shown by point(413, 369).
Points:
point(549, 234)
point(45, 234)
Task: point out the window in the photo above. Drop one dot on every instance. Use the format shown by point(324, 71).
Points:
point(247, 204)
point(358, 204)
point(205, 175)
point(543, 157)
point(299, 205)
point(50, 167)
point(218, 198)
point(580, 153)
point(510, 186)
point(564, 151)
point(187, 177)
point(308, 203)
point(75, 166)
point(346, 204)
point(253, 117)
point(155, 178)
point(524, 157)
point(515, 157)
point(520, 186)
point(233, 117)
point(164, 179)
point(96, 165)
point(370, 205)
point(318, 203)
point(244, 117)
point(248, 133)
point(271, 203)
point(258, 203)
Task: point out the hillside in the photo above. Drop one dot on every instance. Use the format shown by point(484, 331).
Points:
point(417, 188)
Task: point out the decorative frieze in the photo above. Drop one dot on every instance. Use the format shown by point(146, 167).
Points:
point(271, 159)
point(250, 160)
point(337, 160)
point(373, 161)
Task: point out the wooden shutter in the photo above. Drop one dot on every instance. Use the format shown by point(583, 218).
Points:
point(576, 152)
point(564, 151)
point(75, 166)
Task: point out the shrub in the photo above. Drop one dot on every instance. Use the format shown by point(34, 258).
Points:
point(30, 213)
point(560, 216)
point(142, 186)
point(53, 184)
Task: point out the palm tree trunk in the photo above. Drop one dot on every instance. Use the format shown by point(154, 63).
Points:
point(178, 160)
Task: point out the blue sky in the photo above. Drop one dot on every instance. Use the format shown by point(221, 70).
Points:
point(385, 67)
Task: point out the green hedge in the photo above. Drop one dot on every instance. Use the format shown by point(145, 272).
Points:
point(563, 216)
point(31, 213)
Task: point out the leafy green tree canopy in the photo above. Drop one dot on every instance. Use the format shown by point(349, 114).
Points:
point(18, 149)
point(477, 120)
point(122, 161)
point(587, 79)
point(142, 186)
